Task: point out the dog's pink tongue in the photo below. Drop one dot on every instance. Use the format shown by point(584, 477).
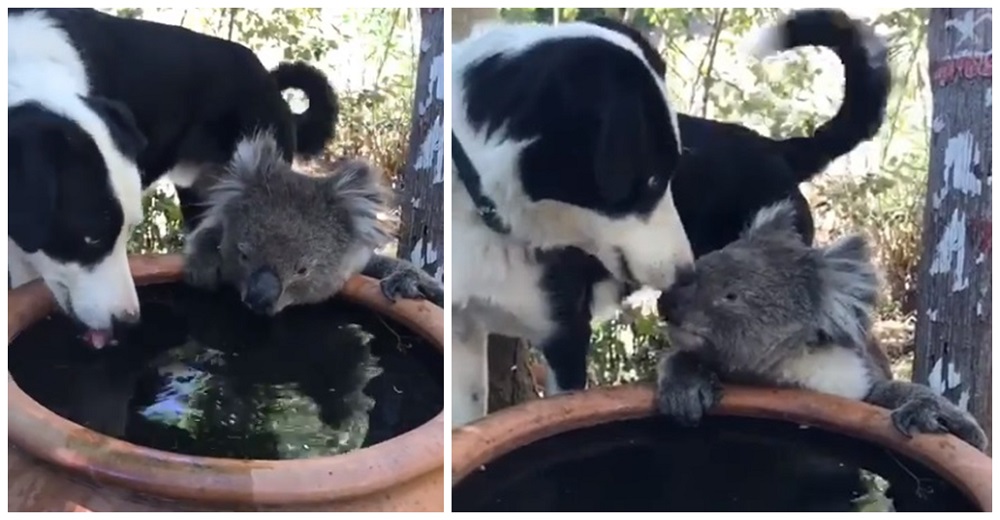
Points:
point(97, 338)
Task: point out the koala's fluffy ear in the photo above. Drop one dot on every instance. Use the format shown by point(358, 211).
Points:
point(355, 181)
point(775, 220)
point(358, 187)
point(257, 156)
point(849, 283)
point(256, 162)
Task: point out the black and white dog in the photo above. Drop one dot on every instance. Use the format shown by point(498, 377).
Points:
point(562, 136)
point(100, 107)
point(726, 174)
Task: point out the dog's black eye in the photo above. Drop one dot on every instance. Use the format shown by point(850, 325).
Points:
point(653, 182)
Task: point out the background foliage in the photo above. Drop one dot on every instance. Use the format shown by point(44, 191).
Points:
point(877, 189)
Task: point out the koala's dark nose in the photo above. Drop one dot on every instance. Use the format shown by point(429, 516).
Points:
point(263, 290)
point(671, 303)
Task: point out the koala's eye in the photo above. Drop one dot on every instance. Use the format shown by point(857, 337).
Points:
point(731, 297)
point(301, 271)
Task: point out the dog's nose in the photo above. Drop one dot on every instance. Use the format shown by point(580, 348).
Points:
point(670, 303)
point(685, 277)
point(263, 290)
point(129, 317)
point(667, 305)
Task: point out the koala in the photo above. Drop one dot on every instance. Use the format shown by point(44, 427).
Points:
point(284, 238)
point(770, 310)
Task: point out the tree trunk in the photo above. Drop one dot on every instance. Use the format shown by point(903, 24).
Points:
point(421, 234)
point(953, 338)
point(510, 360)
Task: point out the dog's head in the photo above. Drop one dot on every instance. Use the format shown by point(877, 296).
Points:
point(572, 135)
point(288, 238)
point(768, 291)
point(75, 193)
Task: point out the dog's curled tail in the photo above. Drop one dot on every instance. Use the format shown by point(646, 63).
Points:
point(360, 189)
point(867, 82)
point(315, 127)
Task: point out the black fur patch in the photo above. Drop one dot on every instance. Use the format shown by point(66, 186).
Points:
point(64, 203)
point(599, 121)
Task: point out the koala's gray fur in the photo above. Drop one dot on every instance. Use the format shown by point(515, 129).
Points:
point(310, 233)
point(770, 310)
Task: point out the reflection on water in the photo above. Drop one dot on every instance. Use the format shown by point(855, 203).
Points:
point(727, 464)
point(204, 376)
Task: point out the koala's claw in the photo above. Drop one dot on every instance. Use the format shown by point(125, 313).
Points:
point(686, 401)
point(401, 284)
point(409, 285)
point(928, 415)
point(917, 416)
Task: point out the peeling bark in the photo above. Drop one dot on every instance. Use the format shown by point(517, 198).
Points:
point(421, 233)
point(955, 315)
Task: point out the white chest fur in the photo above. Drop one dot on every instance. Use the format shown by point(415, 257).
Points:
point(498, 284)
point(834, 370)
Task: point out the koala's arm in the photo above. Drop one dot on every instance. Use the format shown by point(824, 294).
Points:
point(202, 257)
point(401, 279)
point(917, 409)
point(686, 387)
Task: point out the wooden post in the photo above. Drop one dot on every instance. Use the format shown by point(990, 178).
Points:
point(421, 234)
point(953, 337)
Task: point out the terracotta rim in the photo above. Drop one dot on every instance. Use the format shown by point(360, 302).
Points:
point(497, 434)
point(49, 437)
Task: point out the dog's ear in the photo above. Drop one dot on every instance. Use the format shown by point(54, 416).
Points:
point(624, 156)
point(653, 57)
point(121, 123)
point(32, 178)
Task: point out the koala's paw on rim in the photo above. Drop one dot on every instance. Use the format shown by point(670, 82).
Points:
point(931, 415)
point(686, 399)
point(407, 284)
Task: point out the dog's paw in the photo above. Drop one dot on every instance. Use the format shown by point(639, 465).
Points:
point(937, 415)
point(686, 398)
point(409, 284)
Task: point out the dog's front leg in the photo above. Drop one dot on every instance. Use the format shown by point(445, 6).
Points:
point(469, 372)
point(565, 354)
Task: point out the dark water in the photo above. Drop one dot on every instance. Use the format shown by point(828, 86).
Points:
point(725, 465)
point(204, 376)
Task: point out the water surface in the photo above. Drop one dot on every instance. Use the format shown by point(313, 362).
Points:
point(726, 465)
point(202, 375)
